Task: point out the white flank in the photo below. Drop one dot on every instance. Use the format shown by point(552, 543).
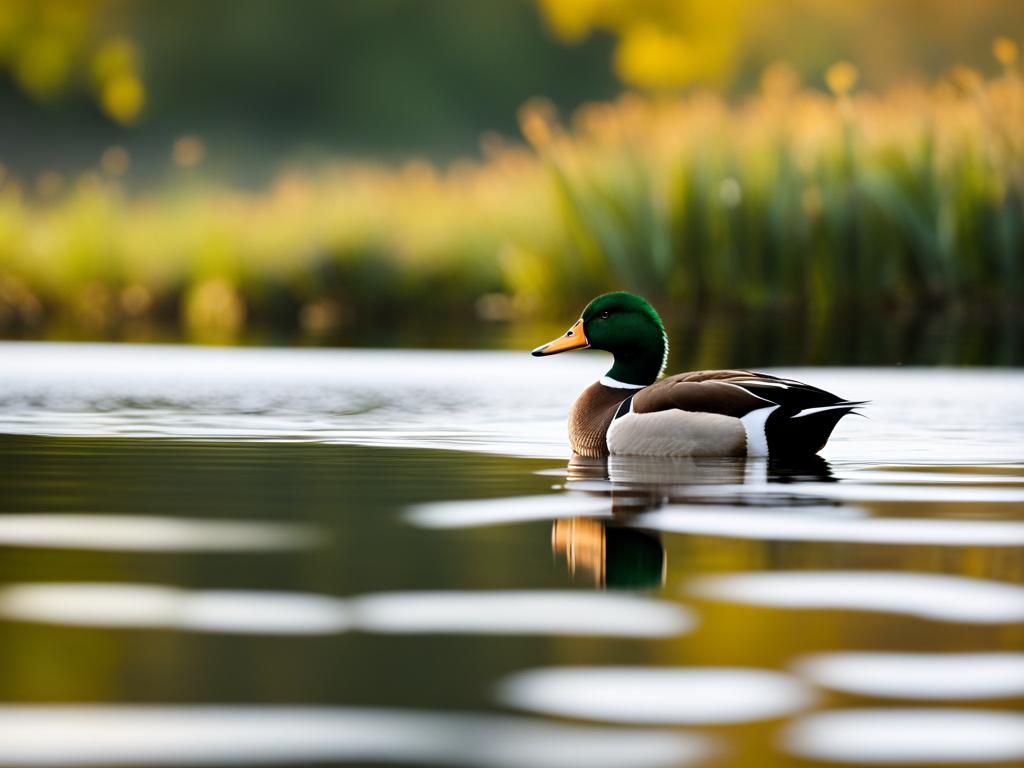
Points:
point(753, 423)
point(608, 381)
point(675, 433)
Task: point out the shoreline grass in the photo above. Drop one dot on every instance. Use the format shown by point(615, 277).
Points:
point(791, 199)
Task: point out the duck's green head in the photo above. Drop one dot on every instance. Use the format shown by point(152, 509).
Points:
point(625, 325)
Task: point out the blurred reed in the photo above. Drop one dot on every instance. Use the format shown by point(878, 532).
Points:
point(795, 197)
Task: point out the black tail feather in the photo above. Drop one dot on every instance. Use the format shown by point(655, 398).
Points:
point(792, 434)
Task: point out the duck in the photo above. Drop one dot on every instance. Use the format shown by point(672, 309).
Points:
point(633, 411)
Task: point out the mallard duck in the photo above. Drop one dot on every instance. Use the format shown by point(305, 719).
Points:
point(702, 413)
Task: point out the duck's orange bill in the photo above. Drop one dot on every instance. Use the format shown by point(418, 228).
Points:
point(574, 338)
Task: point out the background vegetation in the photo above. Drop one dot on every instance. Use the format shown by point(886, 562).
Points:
point(186, 169)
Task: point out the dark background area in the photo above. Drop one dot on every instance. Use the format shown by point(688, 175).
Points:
point(265, 81)
point(262, 82)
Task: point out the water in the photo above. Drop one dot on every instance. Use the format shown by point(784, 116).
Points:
point(238, 556)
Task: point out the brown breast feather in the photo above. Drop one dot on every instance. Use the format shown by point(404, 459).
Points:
point(590, 417)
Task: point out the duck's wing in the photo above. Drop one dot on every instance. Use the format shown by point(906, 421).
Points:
point(793, 417)
point(734, 393)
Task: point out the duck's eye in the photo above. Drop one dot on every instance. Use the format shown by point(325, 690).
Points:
point(606, 313)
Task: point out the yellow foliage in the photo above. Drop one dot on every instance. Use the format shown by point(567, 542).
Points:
point(967, 78)
point(572, 20)
point(665, 44)
point(214, 310)
point(662, 44)
point(649, 57)
point(688, 195)
point(114, 57)
point(841, 77)
point(50, 45)
point(1005, 50)
point(122, 97)
point(136, 300)
point(536, 122)
point(42, 65)
point(780, 80)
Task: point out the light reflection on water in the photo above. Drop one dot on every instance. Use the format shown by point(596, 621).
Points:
point(937, 676)
point(928, 596)
point(908, 737)
point(148, 735)
point(138, 606)
point(657, 695)
point(271, 527)
point(797, 523)
point(493, 612)
point(150, 533)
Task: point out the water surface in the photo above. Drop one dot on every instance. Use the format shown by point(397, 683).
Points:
point(223, 556)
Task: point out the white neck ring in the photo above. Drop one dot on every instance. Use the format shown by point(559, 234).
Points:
point(608, 381)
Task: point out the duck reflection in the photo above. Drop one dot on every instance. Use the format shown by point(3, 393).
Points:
point(610, 555)
point(619, 553)
point(678, 477)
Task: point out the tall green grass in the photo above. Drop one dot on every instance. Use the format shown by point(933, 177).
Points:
point(794, 199)
point(791, 199)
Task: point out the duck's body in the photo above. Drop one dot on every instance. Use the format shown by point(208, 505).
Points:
point(703, 413)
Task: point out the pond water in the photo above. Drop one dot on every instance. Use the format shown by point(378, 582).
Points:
point(253, 556)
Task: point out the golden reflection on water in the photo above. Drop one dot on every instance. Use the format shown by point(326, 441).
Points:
point(611, 555)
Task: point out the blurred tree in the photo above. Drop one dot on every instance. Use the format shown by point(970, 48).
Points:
point(668, 44)
point(268, 80)
point(265, 79)
point(662, 44)
point(47, 45)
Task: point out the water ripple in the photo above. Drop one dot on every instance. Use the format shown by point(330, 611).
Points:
point(657, 695)
point(908, 736)
point(938, 676)
point(927, 596)
point(141, 606)
point(147, 533)
point(71, 735)
point(799, 525)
